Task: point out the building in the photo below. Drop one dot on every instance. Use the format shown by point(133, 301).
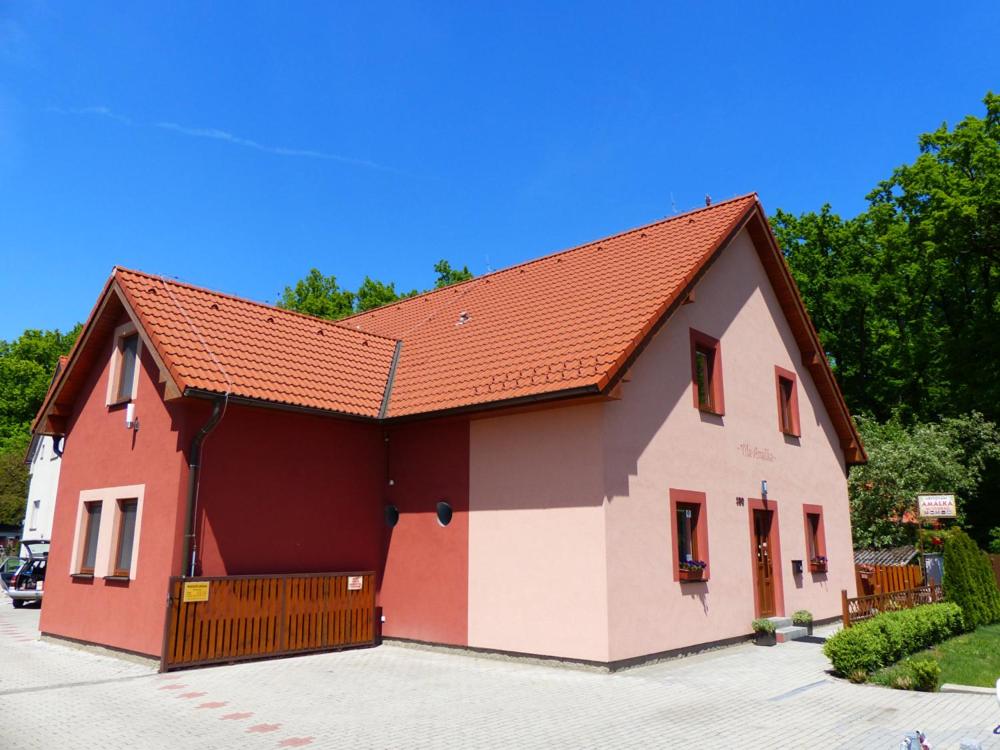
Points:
point(42, 459)
point(630, 448)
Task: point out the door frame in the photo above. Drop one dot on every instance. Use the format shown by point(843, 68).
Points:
point(774, 545)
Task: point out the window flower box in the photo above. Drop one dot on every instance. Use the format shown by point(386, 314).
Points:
point(817, 565)
point(692, 570)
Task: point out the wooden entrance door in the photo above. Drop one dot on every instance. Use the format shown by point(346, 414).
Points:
point(763, 573)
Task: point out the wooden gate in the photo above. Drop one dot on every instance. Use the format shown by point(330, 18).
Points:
point(233, 618)
point(885, 579)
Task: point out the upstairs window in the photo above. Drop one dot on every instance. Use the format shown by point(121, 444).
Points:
point(706, 373)
point(33, 522)
point(788, 401)
point(128, 355)
point(91, 532)
point(690, 531)
point(127, 512)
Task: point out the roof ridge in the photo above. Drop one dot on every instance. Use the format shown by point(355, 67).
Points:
point(256, 303)
point(541, 258)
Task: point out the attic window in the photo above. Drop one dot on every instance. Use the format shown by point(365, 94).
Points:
point(124, 370)
point(788, 401)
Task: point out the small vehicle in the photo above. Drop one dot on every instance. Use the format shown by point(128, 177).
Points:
point(28, 581)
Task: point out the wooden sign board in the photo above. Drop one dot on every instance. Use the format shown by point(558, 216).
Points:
point(195, 591)
point(937, 506)
point(354, 583)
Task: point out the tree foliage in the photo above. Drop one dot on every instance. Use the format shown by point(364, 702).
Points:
point(322, 297)
point(969, 580)
point(448, 275)
point(906, 299)
point(905, 459)
point(26, 368)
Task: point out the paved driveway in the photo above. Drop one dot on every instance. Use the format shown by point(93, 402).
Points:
point(52, 696)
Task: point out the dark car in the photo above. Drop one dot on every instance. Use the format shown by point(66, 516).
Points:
point(28, 581)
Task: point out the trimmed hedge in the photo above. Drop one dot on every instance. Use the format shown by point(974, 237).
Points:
point(969, 580)
point(887, 638)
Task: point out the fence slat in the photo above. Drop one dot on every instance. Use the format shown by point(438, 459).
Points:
point(249, 617)
point(865, 607)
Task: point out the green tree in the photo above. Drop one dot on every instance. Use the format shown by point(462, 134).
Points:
point(26, 368)
point(13, 487)
point(448, 275)
point(372, 294)
point(903, 460)
point(318, 295)
point(969, 580)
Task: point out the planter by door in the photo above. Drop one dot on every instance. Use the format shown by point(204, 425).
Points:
point(765, 639)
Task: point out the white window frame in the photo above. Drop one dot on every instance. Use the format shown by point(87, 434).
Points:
point(107, 535)
point(114, 371)
point(33, 517)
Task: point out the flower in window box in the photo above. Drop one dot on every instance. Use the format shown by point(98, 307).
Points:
point(692, 570)
point(818, 564)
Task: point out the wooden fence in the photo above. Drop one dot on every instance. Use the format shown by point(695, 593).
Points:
point(233, 618)
point(885, 579)
point(864, 607)
point(995, 559)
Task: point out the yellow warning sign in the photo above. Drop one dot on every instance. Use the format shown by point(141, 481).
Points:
point(195, 591)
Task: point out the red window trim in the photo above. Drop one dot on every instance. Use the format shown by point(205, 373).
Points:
point(816, 510)
point(689, 497)
point(793, 407)
point(701, 340)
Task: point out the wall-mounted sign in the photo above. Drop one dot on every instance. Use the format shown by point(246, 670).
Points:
point(354, 583)
point(195, 591)
point(937, 506)
point(756, 452)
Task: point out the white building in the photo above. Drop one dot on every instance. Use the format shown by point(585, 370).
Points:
point(43, 465)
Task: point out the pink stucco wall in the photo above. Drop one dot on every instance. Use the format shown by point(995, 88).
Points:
point(569, 532)
point(655, 439)
point(536, 534)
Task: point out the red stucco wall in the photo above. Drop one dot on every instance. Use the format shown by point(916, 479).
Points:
point(424, 594)
point(100, 452)
point(284, 492)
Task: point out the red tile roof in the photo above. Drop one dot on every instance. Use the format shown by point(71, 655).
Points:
point(217, 343)
point(566, 324)
point(563, 322)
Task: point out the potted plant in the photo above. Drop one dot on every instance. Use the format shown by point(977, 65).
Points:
point(804, 619)
point(763, 632)
point(818, 564)
point(693, 570)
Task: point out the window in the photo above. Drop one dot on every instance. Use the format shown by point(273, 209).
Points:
point(124, 369)
point(33, 520)
point(689, 523)
point(815, 537)
point(706, 373)
point(129, 346)
point(788, 401)
point(127, 511)
point(444, 513)
point(92, 530)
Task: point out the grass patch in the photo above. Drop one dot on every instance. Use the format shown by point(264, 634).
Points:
point(970, 659)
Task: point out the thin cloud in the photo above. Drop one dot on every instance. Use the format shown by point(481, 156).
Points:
point(225, 136)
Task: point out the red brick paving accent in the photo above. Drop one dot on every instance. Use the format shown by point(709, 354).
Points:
point(213, 704)
point(192, 695)
point(173, 687)
point(264, 728)
point(296, 742)
point(237, 716)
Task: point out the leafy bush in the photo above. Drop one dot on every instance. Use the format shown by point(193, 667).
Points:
point(926, 673)
point(969, 580)
point(802, 617)
point(762, 625)
point(887, 638)
point(994, 545)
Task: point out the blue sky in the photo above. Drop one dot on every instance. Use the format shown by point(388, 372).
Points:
point(236, 145)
